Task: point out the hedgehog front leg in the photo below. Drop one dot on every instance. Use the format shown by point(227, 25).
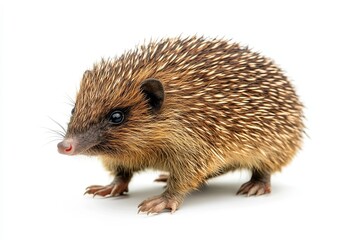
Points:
point(176, 190)
point(117, 187)
point(259, 184)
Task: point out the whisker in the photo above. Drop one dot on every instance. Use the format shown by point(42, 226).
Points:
point(51, 141)
point(56, 132)
point(64, 130)
point(70, 99)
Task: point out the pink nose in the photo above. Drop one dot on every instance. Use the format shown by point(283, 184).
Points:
point(66, 147)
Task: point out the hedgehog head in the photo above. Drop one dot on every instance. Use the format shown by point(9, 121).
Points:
point(108, 112)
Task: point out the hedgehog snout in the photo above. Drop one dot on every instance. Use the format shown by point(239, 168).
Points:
point(67, 146)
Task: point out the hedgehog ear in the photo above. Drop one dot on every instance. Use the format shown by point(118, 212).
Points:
point(154, 93)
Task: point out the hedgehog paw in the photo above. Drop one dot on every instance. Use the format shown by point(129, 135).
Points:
point(254, 188)
point(157, 204)
point(112, 190)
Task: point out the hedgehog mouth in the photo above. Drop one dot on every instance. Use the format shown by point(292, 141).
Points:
point(84, 151)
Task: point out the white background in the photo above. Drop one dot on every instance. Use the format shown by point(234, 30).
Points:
point(47, 45)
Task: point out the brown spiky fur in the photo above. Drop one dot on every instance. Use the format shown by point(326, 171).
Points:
point(226, 107)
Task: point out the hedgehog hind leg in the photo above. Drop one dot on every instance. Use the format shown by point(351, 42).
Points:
point(259, 184)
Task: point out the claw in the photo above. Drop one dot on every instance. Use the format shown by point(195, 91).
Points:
point(261, 191)
point(94, 186)
point(162, 178)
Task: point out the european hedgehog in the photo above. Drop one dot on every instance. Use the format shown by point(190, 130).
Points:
point(193, 107)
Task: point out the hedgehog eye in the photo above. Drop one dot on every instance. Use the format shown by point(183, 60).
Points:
point(72, 111)
point(116, 117)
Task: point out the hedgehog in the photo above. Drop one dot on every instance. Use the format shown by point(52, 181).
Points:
point(192, 107)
